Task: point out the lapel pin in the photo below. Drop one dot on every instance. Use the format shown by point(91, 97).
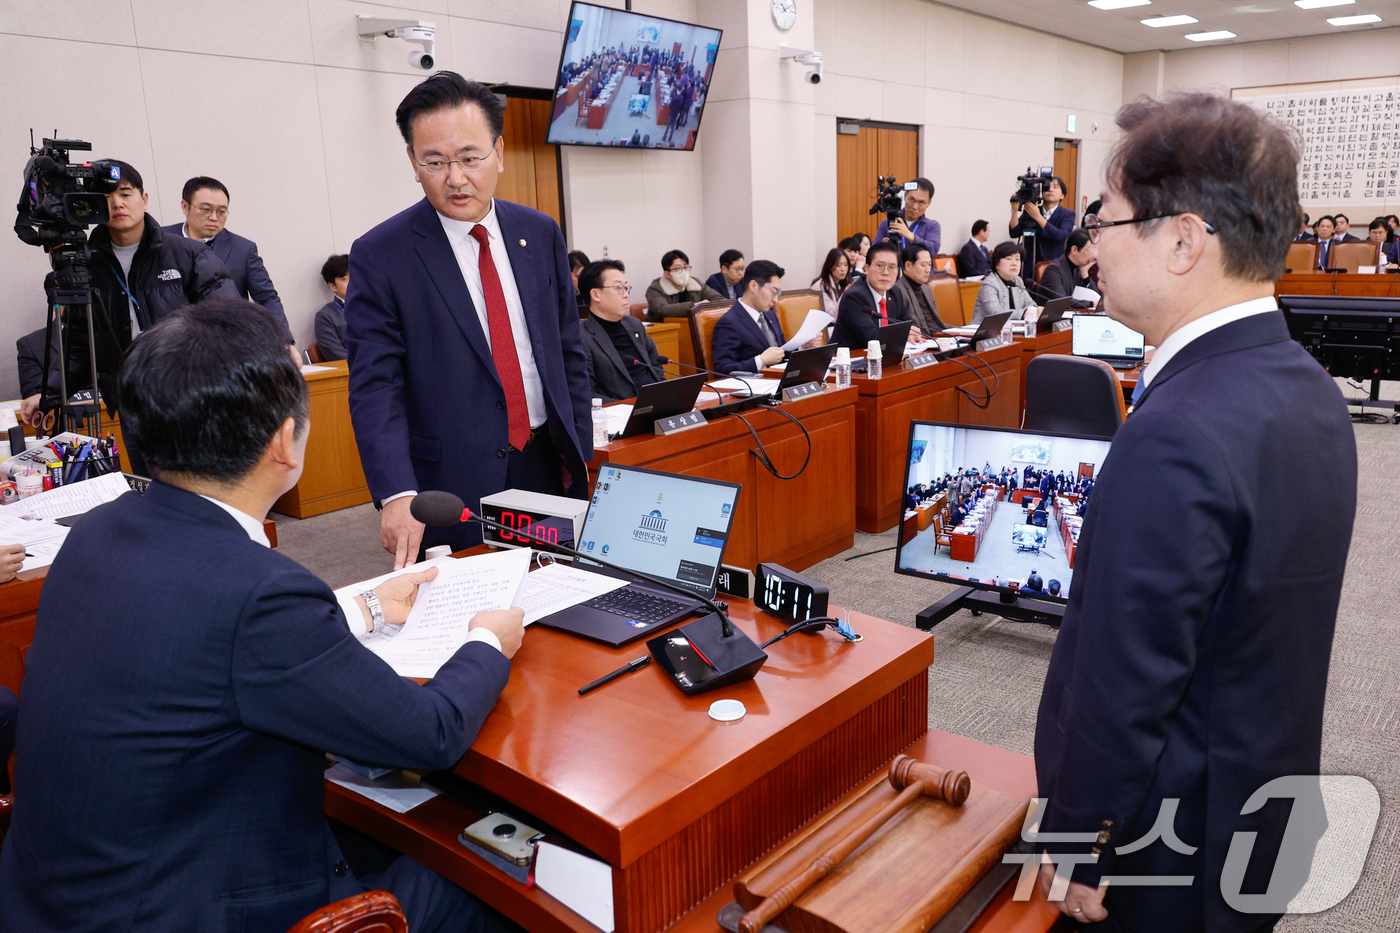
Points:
point(522, 242)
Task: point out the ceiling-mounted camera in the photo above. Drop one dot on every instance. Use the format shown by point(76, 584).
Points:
point(808, 57)
point(410, 30)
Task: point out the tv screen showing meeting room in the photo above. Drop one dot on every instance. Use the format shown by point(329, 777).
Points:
point(630, 80)
point(1002, 534)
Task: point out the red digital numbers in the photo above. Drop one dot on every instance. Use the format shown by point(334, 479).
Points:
point(526, 528)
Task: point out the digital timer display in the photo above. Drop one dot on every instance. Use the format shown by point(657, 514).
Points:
point(789, 596)
point(526, 528)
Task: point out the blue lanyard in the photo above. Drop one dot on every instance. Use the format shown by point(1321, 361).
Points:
point(121, 280)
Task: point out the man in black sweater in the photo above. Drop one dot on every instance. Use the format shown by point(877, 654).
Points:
point(621, 357)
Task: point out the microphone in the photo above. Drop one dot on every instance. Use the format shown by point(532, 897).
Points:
point(726, 651)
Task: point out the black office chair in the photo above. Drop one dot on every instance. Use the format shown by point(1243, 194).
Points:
point(1072, 395)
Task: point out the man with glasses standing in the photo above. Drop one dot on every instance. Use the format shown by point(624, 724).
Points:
point(913, 227)
point(621, 357)
point(1190, 671)
point(467, 370)
point(749, 336)
point(204, 202)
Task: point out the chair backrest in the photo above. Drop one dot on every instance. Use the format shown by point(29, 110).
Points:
point(1302, 257)
point(371, 912)
point(1074, 395)
point(703, 317)
point(947, 294)
point(638, 309)
point(1350, 255)
point(793, 307)
point(1040, 268)
point(945, 263)
point(313, 353)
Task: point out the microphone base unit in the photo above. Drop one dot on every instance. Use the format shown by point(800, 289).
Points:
point(734, 407)
point(699, 657)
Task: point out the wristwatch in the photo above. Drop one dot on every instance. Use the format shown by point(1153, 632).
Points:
point(376, 614)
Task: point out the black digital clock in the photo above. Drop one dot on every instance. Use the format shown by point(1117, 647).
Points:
point(789, 596)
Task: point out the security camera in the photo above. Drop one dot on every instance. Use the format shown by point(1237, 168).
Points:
point(813, 77)
point(807, 57)
point(411, 30)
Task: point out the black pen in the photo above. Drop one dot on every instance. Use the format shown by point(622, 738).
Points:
point(636, 665)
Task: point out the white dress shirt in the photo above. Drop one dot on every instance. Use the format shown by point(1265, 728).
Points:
point(251, 525)
point(757, 319)
point(1183, 335)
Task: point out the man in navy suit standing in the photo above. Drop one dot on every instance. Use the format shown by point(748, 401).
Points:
point(467, 369)
point(204, 202)
point(171, 747)
point(750, 336)
point(1191, 667)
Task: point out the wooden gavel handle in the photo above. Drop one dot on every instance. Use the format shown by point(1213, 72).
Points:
point(913, 779)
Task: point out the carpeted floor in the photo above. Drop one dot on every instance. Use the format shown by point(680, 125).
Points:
point(985, 683)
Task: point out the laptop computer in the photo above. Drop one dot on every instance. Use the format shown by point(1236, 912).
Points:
point(804, 366)
point(670, 526)
point(662, 400)
point(893, 339)
point(990, 327)
point(1054, 312)
point(1100, 337)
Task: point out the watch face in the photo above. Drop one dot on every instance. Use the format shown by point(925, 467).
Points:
point(784, 13)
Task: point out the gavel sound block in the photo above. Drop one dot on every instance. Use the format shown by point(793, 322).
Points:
point(895, 859)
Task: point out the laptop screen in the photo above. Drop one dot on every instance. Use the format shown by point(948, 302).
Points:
point(672, 527)
point(1098, 335)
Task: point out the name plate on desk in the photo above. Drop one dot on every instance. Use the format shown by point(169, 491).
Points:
point(678, 423)
point(1062, 325)
point(794, 393)
point(920, 361)
point(984, 345)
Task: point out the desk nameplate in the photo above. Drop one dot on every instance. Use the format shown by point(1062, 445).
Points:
point(675, 424)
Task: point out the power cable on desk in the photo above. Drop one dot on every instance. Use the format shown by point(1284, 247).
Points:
point(762, 452)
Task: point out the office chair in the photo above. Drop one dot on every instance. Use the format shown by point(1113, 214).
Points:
point(371, 912)
point(1350, 255)
point(704, 315)
point(1302, 257)
point(1072, 395)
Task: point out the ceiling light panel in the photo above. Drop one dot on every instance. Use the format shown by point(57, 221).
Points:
point(1319, 4)
point(1123, 4)
point(1160, 21)
point(1354, 20)
point(1210, 36)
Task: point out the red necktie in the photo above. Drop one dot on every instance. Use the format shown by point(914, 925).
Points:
point(884, 318)
point(503, 343)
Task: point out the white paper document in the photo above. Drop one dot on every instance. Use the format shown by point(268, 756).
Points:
point(74, 499)
point(437, 624)
point(559, 586)
point(313, 368)
point(580, 883)
point(744, 387)
point(617, 417)
point(397, 791)
point(1086, 295)
point(41, 539)
point(815, 322)
point(346, 594)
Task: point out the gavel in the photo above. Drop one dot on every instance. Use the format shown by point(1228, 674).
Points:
point(913, 779)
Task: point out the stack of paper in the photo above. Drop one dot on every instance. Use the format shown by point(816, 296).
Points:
point(73, 499)
point(41, 539)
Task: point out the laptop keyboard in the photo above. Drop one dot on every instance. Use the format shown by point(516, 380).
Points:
point(636, 605)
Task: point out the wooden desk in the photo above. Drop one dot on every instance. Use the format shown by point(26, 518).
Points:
point(667, 337)
point(1321, 283)
point(333, 478)
point(636, 772)
point(887, 405)
point(1031, 347)
point(19, 605)
point(965, 546)
point(790, 522)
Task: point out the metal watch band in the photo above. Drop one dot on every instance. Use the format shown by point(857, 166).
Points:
point(376, 614)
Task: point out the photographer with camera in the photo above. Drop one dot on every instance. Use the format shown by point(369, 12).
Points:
point(1036, 213)
point(912, 226)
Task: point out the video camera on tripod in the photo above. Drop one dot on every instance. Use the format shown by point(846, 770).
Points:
point(60, 200)
point(1033, 185)
point(889, 200)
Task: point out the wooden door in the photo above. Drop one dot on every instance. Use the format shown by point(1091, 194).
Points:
point(1067, 167)
point(878, 149)
point(532, 165)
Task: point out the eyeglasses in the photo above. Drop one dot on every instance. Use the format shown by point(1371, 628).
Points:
point(624, 289)
point(1093, 225)
point(675, 269)
point(470, 165)
point(206, 210)
point(883, 267)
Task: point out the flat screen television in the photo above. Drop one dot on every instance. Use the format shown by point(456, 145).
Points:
point(625, 79)
point(1000, 541)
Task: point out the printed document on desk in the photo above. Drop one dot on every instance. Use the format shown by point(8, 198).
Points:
point(559, 586)
point(41, 539)
point(580, 883)
point(73, 499)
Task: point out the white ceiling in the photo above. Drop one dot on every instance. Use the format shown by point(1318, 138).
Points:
point(1122, 31)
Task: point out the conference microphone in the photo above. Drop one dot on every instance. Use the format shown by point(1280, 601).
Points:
point(729, 655)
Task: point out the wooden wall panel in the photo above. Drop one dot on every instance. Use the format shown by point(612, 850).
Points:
point(1067, 167)
point(877, 150)
point(532, 165)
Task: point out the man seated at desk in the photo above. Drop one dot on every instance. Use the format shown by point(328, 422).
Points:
point(621, 356)
point(171, 745)
point(749, 336)
point(867, 306)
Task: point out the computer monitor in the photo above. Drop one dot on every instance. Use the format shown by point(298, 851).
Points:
point(1100, 337)
point(670, 526)
point(630, 80)
point(998, 545)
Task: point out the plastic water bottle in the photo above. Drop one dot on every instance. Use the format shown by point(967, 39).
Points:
point(1007, 333)
point(843, 367)
point(600, 424)
point(875, 360)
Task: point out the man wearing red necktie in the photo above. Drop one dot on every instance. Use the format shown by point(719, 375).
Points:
point(467, 370)
point(867, 306)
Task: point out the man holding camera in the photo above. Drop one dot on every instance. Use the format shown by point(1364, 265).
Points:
point(1046, 223)
point(914, 227)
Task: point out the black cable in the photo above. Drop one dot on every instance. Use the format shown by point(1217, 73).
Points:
point(762, 452)
point(987, 399)
point(816, 623)
point(868, 553)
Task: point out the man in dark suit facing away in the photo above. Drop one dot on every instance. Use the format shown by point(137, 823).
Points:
point(205, 202)
point(621, 357)
point(750, 336)
point(171, 745)
point(867, 306)
point(467, 371)
point(1191, 667)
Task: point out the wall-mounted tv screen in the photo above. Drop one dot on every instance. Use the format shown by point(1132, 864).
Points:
point(975, 513)
point(625, 79)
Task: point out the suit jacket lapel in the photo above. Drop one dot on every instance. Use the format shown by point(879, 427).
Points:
point(776, 324)
point(518, 249)
point(222, 246)
point(599, 336)
point(446, 276)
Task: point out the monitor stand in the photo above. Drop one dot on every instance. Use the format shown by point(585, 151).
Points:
point(1001, 604)
point(1374, 402)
